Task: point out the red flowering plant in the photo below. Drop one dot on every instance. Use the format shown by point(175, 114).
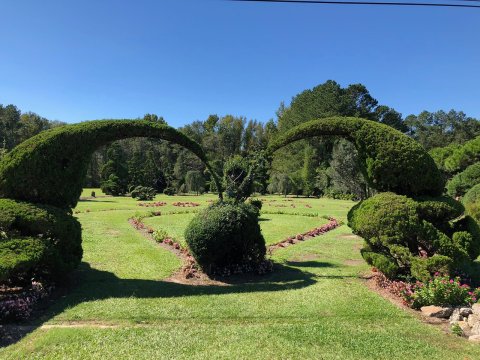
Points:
point(441, 291)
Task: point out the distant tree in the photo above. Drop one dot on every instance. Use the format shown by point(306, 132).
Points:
point(195, 182)
point(154, 118)
point(439, 129)
point(280, 184)
point(309, 171)
point(345, 173)
point(116, 166)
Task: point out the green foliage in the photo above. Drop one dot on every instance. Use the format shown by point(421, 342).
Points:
point(112, 186)
point(49, 168)
point(159, 235)
point(471, 200)
point(308, 171)
point(170, 191)
point(463, 156)
point(143, 193)
point(443, 291)
point(464, 181)
point(441, 154)
point(440, 128)
point(38, 237)
point(238, 178)
point(256, 203)
point(224, 235)
point(407, 237)
point(195, 182)
point(19, 257)
point(389, 160)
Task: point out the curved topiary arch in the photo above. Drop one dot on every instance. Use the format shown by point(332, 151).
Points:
point(49, 168)
point(41, 180)
point(391, 161)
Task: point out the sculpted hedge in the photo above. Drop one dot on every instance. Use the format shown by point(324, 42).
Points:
point(407, 237)
point(390, 160)
point(49, 169)
point(409, 229)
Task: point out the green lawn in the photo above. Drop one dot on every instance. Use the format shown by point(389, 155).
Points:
point(314, 306)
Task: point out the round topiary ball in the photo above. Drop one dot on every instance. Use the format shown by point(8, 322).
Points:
point(225, 235)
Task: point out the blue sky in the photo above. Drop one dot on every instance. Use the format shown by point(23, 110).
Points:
point(185, 59)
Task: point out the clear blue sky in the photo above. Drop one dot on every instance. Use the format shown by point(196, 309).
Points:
point(185, 59)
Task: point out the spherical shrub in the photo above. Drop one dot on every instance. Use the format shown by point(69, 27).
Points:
point(471, 200)
point(406, 237)
point(226, 234)
point(37, 240)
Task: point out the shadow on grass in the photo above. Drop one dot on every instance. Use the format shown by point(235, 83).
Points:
point(311, 264)
point(91, 284)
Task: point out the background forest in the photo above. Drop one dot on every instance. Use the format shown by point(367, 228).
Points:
point(316, 167)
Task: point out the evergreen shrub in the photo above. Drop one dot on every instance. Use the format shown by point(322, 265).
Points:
point(224, 235)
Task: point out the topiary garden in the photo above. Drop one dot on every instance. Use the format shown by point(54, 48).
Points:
point(409, 229)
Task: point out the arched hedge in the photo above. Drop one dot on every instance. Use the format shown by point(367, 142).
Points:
point(41, 180)
point(409, 228)
point(50, 168)
point(391, 161)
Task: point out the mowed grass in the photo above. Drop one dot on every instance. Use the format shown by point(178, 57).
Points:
point(314, 306)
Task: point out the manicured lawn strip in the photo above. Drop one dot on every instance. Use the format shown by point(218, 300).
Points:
point(313, 306)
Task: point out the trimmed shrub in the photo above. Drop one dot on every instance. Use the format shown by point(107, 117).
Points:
point(50, 167)
point(226, 234)
point(441, 154)
point(238, 178)
point(390, 160)
point(464, 181)
point(471, 200)
point(406, 237)
point(463, 156)
point(256, 203)
point(38, 240)
point(143, 193)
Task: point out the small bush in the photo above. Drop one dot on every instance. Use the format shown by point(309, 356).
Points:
point(170, 191)
point(442, 291)
point(112, 186)
point(143, 193)
point(224, 235)
point(159, 235)
point(471, 201)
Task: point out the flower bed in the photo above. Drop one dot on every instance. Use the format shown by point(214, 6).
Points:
point(18, 303)
point(154, 204)
point(185, 204)
point(442, 298)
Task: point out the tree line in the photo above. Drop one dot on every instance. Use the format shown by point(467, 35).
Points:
point(315, 167)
